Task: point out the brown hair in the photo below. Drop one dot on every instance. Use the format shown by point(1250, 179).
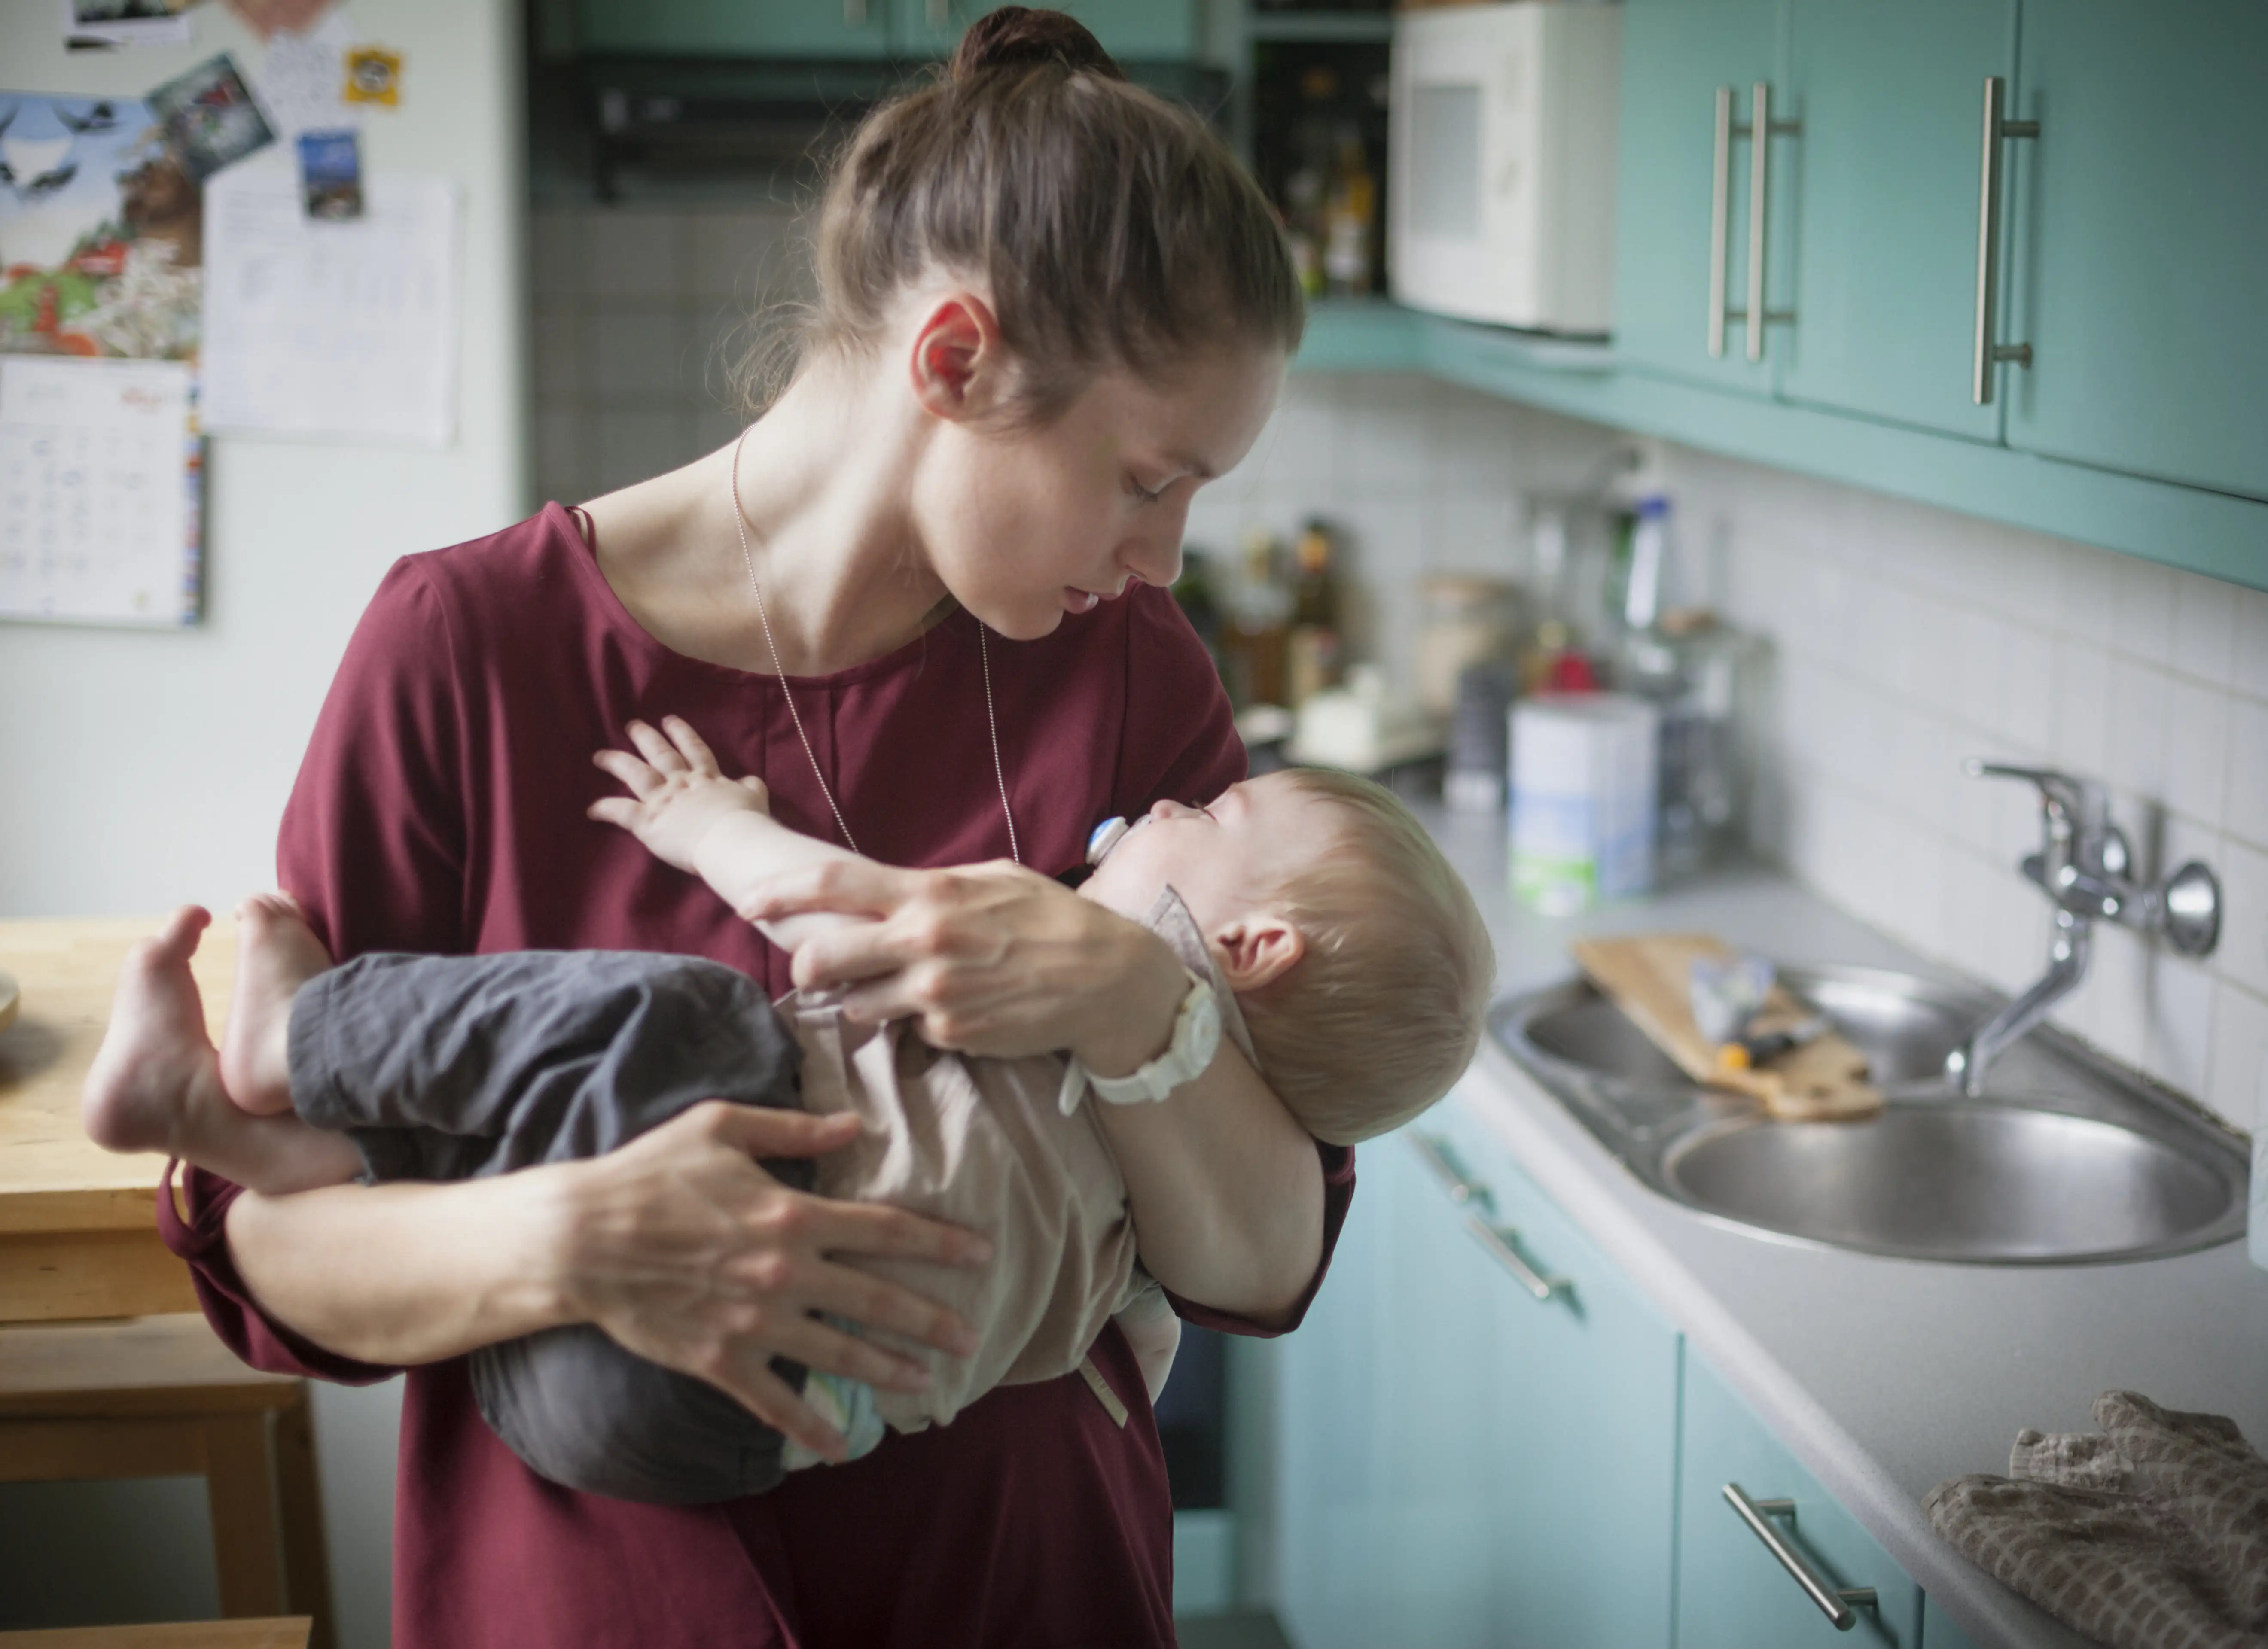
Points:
point(1112, 229)
point(1381, 1011)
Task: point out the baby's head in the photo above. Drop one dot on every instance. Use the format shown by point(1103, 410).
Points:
point(1357, 954)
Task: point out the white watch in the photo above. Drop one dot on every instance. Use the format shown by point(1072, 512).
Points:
point(1197, 1039)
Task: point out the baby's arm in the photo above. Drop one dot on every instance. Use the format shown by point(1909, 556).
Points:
point(1154, 1333)
point(687, 814)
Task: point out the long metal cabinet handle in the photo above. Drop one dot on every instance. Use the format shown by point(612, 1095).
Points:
point(1498, 1239)
point(1720, 212)
point(1439, 1156)
point(1834, 1602)
point(1997, 128)
point(1759, 177)
point(939, 13)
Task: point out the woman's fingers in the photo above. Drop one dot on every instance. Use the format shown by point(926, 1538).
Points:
point(640, 779)
point(766, 1396)
point(821, 1345)
point(874, 1302)
point(762, 1131)
point(656, 749)
point(697, 754)
point(851, 887)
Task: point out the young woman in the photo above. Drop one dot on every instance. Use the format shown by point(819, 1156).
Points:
point(923, 596)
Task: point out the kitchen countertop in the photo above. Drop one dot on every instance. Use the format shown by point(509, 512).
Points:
point(1885, 1377)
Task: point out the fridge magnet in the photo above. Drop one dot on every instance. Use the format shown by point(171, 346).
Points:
point(101, 232)
point(374, 76)
point(210, 118)
point(330, 174)
point(100, 25)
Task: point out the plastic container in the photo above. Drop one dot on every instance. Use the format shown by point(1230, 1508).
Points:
point(1582, 811)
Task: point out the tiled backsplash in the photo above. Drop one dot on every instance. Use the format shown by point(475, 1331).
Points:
point(1903, 638)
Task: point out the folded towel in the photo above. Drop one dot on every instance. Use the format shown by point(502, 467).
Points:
point(2151, 1535)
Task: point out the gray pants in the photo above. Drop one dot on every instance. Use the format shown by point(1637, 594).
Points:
point(456, 1067)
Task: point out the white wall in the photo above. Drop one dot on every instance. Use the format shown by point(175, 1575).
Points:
point(139, 771)
point(1902, 639)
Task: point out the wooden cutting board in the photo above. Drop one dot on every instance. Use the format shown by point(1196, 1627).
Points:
point(1648, 978)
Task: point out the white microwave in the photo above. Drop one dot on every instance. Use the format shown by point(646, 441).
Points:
point(1501, 145)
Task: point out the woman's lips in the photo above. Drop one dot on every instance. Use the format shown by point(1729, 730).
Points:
point(1077, 601)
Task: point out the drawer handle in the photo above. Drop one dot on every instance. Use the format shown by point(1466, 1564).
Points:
point(1834, 1602)
point(1720, 213)
point(1499, 1240)
point(1759, 128)
point(1438, 1155)
point(1990, 353)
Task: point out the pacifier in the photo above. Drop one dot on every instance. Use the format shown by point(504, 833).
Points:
point(1105, 836)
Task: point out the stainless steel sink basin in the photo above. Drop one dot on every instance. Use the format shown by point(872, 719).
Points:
point(2068, 1159)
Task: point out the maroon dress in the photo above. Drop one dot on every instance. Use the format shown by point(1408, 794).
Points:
point(441, 809)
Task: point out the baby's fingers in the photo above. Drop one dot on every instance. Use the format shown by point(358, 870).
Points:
point(614, 810)
point(690, 745)
point(641, 780)
point(655, 748)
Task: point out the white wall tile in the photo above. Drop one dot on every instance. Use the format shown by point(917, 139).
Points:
point(2179, 1049)
point(633, 446)
point(745, 258)
point(2247, 797)
point(2237, 1084)
point(2204, 629)
point(2084, 604)
point(2028, 700)
point(2140, 697)
point(1388, 449)
point(555, 253)
point(2198, 750)
point(633, 254)
point(558, 359)
point(2242, 955)
point(2111, 1009)
point(2249, 669)
point(2082, 708)
point(2142, 608)
point(636, 354)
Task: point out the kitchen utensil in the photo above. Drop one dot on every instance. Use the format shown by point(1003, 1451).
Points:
point(1724, 995)
point(1648, 978)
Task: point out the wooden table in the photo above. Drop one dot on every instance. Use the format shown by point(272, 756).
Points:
point(78, 1232)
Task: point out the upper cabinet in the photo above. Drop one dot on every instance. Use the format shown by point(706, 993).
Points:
point(707, 28)
point(1882, 193)
point(1688, 222)
point(1164, 29)
point(2139, 240)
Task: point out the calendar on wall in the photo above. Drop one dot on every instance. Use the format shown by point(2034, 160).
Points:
point(101, 474)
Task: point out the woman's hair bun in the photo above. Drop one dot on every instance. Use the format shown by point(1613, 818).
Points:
point(1018, 37)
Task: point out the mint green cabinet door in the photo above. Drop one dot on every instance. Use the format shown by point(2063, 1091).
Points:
point(1462, 1465)
point(1131, 29)
point(1732, 1591)
point(747, 28)
point(1883, 184)
point(1677, 55)
point(1938, 1630)
point(2140, 239)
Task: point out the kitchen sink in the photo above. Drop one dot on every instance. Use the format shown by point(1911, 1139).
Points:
point(2066, 1159)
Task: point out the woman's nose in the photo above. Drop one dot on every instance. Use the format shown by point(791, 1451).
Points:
point(1155, 558)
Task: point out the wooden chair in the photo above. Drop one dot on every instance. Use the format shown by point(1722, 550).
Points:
point(282, 1633)
point(161, 1396)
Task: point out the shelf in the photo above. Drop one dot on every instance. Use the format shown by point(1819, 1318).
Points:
point(2215, 534)
point(1319, 25)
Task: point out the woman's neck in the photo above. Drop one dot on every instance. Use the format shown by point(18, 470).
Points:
point(824, 499)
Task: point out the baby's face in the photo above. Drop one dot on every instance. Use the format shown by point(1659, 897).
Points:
point(1224, 858)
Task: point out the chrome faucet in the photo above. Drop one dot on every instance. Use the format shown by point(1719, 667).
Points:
point(2082, 866)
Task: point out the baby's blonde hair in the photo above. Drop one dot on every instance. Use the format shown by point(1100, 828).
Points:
point(1381, 1011)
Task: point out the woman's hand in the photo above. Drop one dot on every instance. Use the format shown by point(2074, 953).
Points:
point(677, 792)
point(991, 958)
point(685, 1251)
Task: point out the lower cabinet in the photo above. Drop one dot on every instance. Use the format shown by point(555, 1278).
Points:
point(1461, 1463)
point(1738, 1588)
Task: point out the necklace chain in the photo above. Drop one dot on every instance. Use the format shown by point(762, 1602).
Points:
point(983, 658)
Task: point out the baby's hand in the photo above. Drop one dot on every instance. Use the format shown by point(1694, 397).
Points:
point(677, 792)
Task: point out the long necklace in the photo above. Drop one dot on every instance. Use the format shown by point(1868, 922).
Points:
point(983, 660)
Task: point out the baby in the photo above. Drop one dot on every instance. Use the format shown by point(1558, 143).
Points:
point(1321, 930)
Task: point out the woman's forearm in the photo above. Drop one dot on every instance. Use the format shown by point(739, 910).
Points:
point(1225, 1191)
point(405, 1273)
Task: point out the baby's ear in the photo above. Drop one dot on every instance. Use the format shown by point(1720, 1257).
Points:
point(1257, 950)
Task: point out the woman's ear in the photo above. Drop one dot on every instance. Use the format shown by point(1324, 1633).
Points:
point(1257, 950)
point(957, 356)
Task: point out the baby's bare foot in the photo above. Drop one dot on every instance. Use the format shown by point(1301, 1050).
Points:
point(276, 953)
point(156, 1063)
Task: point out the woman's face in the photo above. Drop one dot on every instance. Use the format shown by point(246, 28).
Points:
point(1024, 525)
